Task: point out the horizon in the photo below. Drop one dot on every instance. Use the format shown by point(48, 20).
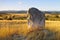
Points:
point(43, 5)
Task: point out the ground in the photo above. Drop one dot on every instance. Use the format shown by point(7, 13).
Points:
point(18, 30)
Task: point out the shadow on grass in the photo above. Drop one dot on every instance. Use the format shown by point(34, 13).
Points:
point(33, 35)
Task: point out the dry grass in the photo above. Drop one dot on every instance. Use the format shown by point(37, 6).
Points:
point(20, 27)
point(9, 28)
point(52, 25)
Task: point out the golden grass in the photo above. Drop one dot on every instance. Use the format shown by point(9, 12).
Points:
point(14, 26)
point(21, 26)
point(21, 15)
point(52, 25)
point(11, 27)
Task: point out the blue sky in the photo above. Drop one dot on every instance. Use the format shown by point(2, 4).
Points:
point(44, 5)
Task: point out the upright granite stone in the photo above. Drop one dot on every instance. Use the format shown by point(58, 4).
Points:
point(36, 17)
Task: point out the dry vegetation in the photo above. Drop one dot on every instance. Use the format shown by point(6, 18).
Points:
point(17, 29)
point(52, 24)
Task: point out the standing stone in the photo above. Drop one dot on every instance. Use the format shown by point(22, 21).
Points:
point(36, 17)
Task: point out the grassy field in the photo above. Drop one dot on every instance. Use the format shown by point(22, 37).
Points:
point(53, 25)
point(18, 30)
